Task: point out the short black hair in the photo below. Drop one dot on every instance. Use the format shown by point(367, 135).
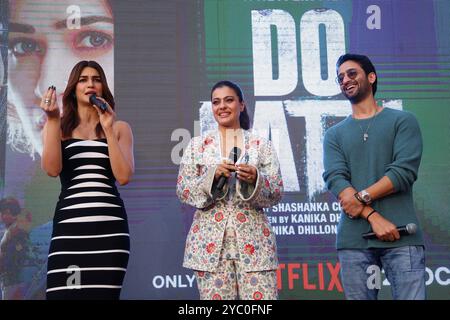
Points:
point(363, 61)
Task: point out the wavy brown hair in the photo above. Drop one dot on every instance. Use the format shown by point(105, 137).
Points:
point(70, 118)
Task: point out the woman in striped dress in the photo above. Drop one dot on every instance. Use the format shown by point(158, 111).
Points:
point(89, 150)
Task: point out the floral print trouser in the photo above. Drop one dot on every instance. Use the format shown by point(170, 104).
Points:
point(231, 283)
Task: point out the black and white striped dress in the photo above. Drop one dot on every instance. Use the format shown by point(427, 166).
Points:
point(90, 242)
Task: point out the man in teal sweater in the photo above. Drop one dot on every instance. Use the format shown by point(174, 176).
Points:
point(371, 161)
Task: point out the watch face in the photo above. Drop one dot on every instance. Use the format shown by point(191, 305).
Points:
point(365, 196)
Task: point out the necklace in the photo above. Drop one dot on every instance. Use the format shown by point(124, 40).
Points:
point(366, 133)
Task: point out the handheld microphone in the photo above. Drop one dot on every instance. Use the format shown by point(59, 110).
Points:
point(410, 228)
point(234, 156)
point(99, 103)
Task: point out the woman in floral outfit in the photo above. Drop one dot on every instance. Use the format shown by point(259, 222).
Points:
point(231, 246)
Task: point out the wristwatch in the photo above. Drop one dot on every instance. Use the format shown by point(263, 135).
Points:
point(365, 196)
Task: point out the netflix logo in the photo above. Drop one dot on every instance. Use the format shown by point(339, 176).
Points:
point(323, 276)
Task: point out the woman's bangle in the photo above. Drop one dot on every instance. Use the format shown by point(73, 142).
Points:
point(371, 212)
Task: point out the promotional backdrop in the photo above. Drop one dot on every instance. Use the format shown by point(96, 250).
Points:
point(162, 58)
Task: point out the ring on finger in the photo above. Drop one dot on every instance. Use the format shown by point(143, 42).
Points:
point(47, 101)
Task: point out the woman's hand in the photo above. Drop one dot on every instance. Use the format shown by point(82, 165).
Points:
point(224, 169)
point(49, 104)
point(108, 117)
point(247, 173)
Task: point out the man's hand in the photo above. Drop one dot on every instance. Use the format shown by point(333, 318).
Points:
point(351, 206)
point(383, 228)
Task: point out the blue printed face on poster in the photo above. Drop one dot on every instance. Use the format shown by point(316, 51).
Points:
point(42, 53)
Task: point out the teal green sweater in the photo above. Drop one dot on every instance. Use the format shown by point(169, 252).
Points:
point(393, 149)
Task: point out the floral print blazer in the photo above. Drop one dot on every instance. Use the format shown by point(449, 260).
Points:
point(255, 238)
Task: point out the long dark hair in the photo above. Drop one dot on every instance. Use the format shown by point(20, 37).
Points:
point(244, 118)
point(70, 118)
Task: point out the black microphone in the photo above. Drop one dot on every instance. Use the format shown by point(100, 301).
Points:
point(99, 103)
point(410, 228)
point(234, 156)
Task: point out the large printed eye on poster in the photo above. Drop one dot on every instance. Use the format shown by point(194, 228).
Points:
point(45, 40)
